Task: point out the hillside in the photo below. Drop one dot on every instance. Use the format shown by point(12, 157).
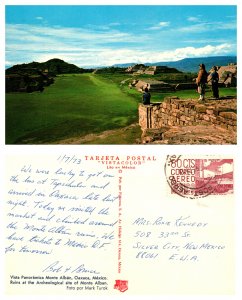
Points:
point(54, 66)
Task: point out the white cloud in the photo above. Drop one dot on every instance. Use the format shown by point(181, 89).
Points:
point(172, 55)
point(108, 56)
point(39, 18)
point(164, 24)
point(18, 32)
point(193, 19)
point(25, 43)
point(160, 25)
point(205, 41)
point(208, 26)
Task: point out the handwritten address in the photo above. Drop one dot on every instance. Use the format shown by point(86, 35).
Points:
point(173, 239)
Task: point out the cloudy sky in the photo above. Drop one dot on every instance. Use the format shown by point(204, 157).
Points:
point(105, 35)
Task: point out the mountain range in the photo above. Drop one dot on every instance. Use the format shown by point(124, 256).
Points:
point(58, 66)
point(191, 64)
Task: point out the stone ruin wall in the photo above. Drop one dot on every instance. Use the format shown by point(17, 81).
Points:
point(176, 112)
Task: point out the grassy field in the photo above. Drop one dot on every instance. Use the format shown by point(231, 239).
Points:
point(192, 94)
point(79, 105)
point(75, 105)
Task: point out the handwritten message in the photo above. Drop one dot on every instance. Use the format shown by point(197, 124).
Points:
point(65, 204)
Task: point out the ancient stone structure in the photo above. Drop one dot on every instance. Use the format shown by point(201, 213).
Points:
point(227, 75)
point(159, 118)
point(152, 85)
point(139, 68)
point(26, 82)
point(150, 70)
point(153, 70)
point(161, 86)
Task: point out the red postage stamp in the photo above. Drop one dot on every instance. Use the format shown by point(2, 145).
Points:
point(199, 177)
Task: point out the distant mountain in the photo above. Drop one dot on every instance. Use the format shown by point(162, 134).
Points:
point(191, 64)
point(57, 66)
point(54, 66)
point(126, 65)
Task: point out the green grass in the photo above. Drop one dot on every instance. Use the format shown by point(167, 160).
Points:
point(169, 77)
point(74, 105)
point(192, 94)
point(77, 105)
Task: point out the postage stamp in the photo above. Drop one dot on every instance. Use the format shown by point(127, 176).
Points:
point(196, 178)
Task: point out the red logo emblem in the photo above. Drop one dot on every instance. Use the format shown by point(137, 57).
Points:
point(121, 285)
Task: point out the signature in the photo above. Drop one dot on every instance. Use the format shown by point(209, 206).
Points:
point(57, 267)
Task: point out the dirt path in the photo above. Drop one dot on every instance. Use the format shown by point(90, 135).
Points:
point(127, 135)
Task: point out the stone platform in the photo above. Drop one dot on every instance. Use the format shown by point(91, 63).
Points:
point(177, 121)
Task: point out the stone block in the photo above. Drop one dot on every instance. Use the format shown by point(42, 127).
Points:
point(187, 111)
point(209, 111)
point(200, 108)
point(167, 99)
point(231, 127)
point(192, 106)
point(224, 125)
point(228, 115)
point(206, 118)
point(212, 118)
point(220, 108)
point(231, 122)
point(220, 119)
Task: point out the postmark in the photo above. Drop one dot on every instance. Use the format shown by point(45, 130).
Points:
point(199, 177)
